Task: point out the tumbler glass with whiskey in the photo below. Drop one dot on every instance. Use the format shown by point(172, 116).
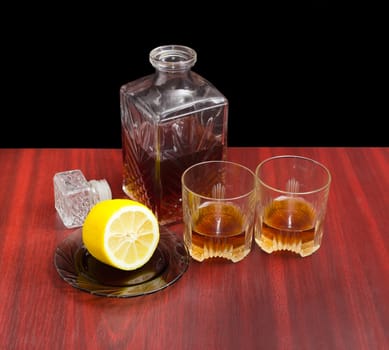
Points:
point(218, 199)
point(292, 202)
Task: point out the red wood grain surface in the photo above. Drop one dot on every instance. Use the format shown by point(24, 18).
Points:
point(338, 298)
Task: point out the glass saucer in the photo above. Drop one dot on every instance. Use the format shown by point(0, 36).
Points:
point(81, 270)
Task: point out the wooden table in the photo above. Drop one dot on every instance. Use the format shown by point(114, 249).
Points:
point(337, 298)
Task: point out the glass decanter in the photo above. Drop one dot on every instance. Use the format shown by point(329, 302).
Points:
point(170, 120)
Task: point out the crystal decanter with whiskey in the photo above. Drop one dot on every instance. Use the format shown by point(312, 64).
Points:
point(170, 120)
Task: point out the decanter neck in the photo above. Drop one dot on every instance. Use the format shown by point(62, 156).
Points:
point(173, 59)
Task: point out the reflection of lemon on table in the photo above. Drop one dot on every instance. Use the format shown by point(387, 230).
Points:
point(121, 233)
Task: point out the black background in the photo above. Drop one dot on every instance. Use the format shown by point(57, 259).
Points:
point(289, 82)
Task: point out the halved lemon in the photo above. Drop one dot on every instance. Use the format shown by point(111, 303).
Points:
point(121, 232)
